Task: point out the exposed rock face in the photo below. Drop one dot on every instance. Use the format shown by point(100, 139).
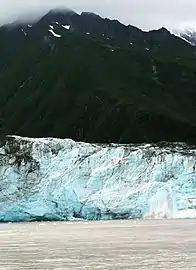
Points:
point(53, 179)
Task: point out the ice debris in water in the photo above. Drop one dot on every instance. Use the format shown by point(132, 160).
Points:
point(163, 205)
point(54, 179)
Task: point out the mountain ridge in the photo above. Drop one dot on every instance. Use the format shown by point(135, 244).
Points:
point(188, 34)
point(96, 80)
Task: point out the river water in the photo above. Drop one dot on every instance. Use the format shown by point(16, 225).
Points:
point(142, 244)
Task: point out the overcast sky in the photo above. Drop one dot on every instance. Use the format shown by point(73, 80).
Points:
point(146, 14)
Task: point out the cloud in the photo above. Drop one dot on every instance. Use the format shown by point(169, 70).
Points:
point(147, 14)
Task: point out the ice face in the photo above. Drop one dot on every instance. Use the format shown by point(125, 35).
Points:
point(53, 179)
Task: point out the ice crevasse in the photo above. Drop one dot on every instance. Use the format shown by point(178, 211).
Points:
point(55, 179)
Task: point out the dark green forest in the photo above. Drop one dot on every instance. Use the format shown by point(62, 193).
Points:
point(101, 81)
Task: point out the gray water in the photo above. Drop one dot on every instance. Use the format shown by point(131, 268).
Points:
point(143, 244)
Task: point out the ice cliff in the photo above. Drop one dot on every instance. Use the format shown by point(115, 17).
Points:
point(53, 179)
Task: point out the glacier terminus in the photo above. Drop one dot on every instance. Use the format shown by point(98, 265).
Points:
point(60, 179)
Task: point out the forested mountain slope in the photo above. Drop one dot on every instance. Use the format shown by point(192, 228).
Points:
point(97, 80)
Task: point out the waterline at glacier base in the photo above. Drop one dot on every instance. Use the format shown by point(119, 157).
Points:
point(54, 179)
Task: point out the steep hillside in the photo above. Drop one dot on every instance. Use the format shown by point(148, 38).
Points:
point(97, 80)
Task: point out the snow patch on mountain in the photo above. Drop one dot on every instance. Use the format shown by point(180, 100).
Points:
point(187, 32)
point(24, 32)
point(181, 35)
point(54, 34)
point(67, 27)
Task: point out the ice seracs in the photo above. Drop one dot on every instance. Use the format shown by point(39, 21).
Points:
point(58, 179)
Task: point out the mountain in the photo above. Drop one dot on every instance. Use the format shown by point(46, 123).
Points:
point(188, 34)
point(91, 79)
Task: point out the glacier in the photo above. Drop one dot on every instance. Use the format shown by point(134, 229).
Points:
point(60, 179)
